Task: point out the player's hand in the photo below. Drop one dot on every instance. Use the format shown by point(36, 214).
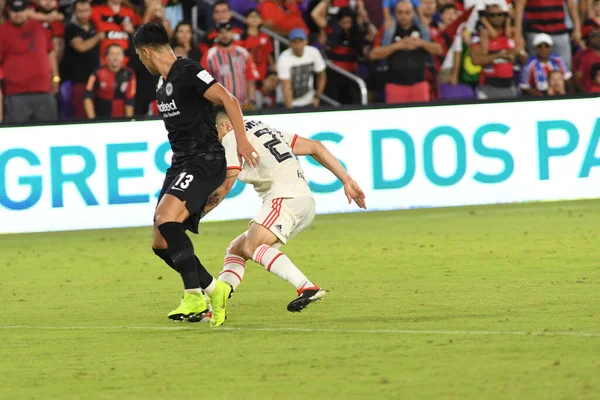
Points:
point(354, 192)
point(247, 153)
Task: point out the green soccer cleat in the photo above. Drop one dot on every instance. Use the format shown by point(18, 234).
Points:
point(192, 308)
point(218, 301)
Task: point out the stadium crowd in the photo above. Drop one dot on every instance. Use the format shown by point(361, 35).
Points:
point(62, 59)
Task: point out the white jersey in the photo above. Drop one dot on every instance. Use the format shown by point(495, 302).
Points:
point(279, 173)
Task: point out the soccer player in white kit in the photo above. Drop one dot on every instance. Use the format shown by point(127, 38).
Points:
point(288, 204)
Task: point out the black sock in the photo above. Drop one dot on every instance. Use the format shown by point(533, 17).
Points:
point(205, 277)
point(164, 255)
point(181, 250)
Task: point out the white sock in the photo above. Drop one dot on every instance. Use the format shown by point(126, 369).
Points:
point(279, 264)
point(194, 291)
point(234, 267)
point(211, 288)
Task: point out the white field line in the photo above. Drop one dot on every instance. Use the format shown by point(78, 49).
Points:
point(305, 330)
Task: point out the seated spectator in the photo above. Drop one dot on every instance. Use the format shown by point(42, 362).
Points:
point(296, 67)
point(281, 16)
point(497, 56)
point(593, 19)
point(404, 54)
point(183, 40)
point(110, 91)
point(29, 67)
point(221, 15)
point(556, 84)
point(117, 22)
point(548, 16)
point(587, 61)
point(82, 55)
point(155, 12)
point(56, 28)
point(259, 44)
point(595, 76)
point(232, 66)
point(269, 95)
point(535, 76)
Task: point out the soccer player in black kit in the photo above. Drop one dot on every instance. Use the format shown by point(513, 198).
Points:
point(186, 96)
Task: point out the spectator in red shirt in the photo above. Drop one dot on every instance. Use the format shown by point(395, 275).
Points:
point(117, 22)
point(259, 44)
point(56, 28)
point(497, 55)
point(405, 55)
point(221, 15)
point(281, 16)
point(587, 61)
point(82, 54)
point(232, 66)
point(183, 42)
point(29, 65)
point(110, 91)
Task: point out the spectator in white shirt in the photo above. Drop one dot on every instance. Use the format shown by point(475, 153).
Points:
point(296, 67)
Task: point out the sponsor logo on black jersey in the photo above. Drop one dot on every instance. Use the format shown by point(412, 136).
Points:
point(168, 109)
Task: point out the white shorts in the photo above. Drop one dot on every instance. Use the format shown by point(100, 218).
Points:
point(286, 217)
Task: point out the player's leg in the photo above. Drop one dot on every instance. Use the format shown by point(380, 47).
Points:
point(273, 226)
point(179, 255)
point(234, 264)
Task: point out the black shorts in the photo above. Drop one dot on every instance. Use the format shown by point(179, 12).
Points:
point(193, 182)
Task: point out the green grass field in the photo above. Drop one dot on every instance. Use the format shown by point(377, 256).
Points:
point(499, 302)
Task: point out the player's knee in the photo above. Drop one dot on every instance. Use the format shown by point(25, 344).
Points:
point(158, 241)
point(162, 218)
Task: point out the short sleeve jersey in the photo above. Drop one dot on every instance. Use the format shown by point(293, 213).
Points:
point(279, 173)
point(189, 117)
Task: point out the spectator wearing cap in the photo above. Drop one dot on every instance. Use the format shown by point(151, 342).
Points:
point(281, 16)
point(587, 62)
point(404, 54)
point(258, 43)
point(29, 65)
point(296, 68)
point(232, 66)
point(548, 16)
point(497, 56)
point(110, 91)
point(221, 12)
point(535, 78)
point(82, 54)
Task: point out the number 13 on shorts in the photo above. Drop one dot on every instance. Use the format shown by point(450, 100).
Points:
point(183, 181)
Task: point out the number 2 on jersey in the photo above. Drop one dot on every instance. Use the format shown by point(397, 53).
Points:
point(270, 145)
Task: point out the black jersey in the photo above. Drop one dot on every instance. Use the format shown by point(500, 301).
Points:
point(189, 117)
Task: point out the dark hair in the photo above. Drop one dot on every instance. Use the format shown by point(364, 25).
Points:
point(110, 46)
point(219, 2)
point(594, 71)
point(150, 34)
point(174, 42)
point(88, 2)
point(220, 113)
point(254, 10)
point(447, 7)
point(346, 12)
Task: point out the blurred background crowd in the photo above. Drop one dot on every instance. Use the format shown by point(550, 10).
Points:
point(73, 59)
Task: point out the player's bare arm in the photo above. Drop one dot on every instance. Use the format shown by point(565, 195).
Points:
point(221, 96)
point(308, 147)
point(218, 195)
